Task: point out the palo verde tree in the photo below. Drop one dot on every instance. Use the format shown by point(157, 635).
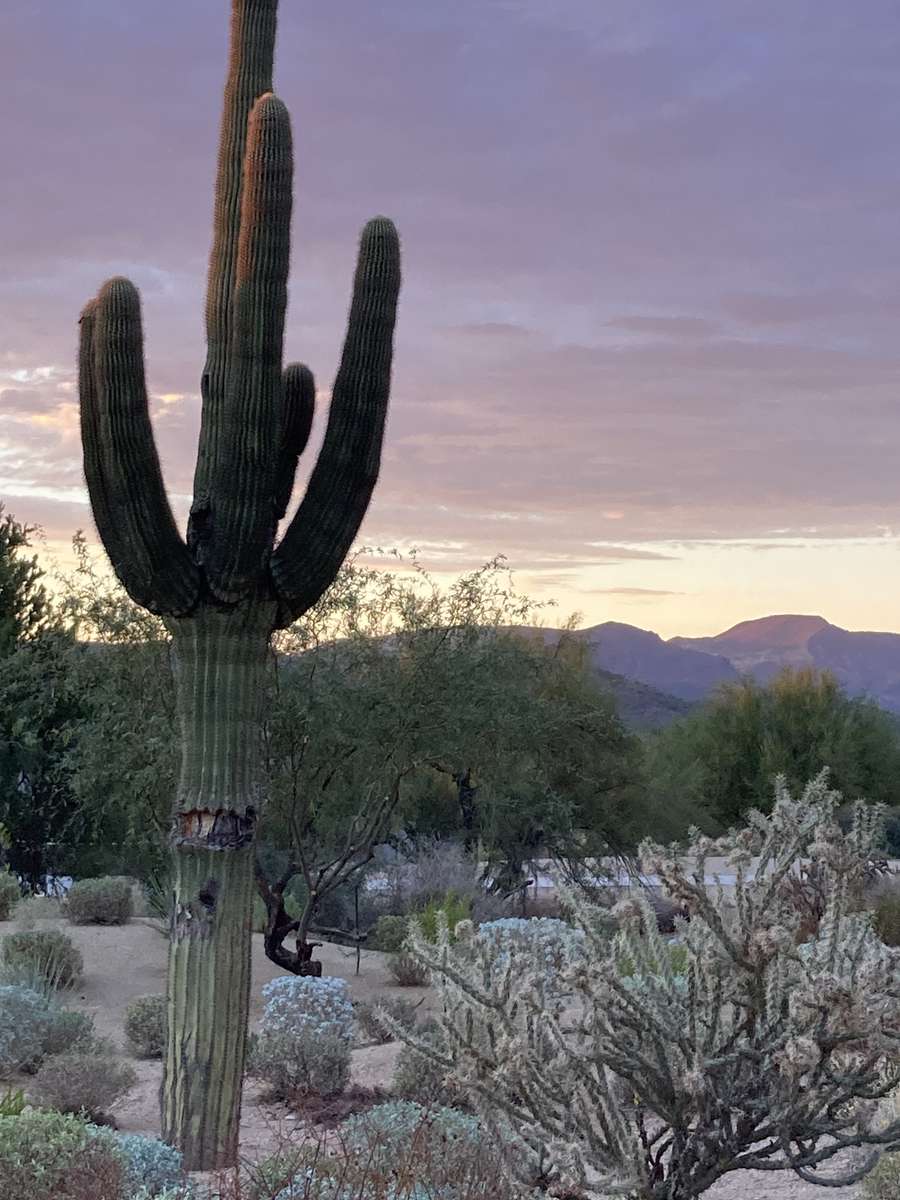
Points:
point(223, 591)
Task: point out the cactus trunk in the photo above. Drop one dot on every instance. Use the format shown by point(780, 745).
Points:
point(220, 677)
point(225, 588)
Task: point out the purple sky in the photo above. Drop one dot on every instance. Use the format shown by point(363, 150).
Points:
point(652, 275)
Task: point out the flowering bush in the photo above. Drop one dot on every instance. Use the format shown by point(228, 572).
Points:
point(758, 1056)
point(33, 1026)
point(303, 1047)
point(145, 1026)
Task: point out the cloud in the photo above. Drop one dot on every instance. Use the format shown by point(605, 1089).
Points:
point(675, 327)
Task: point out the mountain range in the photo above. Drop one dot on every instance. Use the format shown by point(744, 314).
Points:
point(688, 669)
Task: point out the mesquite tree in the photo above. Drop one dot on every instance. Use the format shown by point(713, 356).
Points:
point(224, 590)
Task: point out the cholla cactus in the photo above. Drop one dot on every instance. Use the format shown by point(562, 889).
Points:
point(771, 1056)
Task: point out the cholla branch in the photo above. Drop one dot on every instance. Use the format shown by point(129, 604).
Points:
point(764, 1051)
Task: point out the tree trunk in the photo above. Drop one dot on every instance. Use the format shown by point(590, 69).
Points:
point(220, 666)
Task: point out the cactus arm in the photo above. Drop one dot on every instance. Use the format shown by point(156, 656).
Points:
point(244, 481)
point(324, 526)
point(121, 465)
point(252, 54)
point(298, 398)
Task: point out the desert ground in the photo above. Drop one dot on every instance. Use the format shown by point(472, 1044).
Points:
point(122, 962)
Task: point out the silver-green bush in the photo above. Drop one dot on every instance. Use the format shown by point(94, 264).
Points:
point(371, 1022)
point(34, 1026)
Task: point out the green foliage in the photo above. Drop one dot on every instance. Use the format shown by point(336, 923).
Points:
point(292, 907)
point(48, 1155)
point(105, 901)
point(12, 1102)
point(299, 1064)
point(145, 1026)
point(44, 954)
point(721, 761)
point(24, 606)
point(83, 1082)
point(388, 934)
point(454, 909)
point(10, 894)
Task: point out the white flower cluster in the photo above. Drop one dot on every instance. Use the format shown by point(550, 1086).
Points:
point(319, 1007)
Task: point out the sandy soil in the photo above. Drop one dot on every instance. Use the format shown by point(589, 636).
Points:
point(122, 962)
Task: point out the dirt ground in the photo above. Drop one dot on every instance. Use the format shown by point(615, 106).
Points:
point(123, 962)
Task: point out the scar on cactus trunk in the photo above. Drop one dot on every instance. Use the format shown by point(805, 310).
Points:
point(225, 589)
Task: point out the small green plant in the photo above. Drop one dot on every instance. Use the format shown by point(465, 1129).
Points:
point(12, 1102)
point(145, 1026)
point(106, 901)
point(45, 955)
point(10, 894)
point(85, 1083)
point(387, 934)
point(455, 909)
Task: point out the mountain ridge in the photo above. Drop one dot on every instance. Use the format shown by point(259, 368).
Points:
point(866, 663)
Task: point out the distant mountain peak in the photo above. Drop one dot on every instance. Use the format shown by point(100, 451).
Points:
point(780, 630)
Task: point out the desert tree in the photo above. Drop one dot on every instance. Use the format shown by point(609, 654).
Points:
point(224, 590)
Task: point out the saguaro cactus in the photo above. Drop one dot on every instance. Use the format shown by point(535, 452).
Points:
point(225, 589)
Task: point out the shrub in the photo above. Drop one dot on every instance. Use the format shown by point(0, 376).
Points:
point(47, 1155)
point(883, 1182)
point(83, 1082)
point(417, 1076)
point(10, 894)
point(301, 1063)
point(151, 1166)
point(886, 917)
point(529, 943)
point(454, 909)
point(106, 901)
point(145, 1026)
point(45, 955)
point(387, 934)
point(33, 1026)
point(12, 1102)
point(22, 1025)
point(303, 1047)
point(407, 970)
point(809, 1039)
point(371, 1024)
point(439, 1147)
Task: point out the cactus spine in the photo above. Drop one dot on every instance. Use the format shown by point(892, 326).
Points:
point(224, 590)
